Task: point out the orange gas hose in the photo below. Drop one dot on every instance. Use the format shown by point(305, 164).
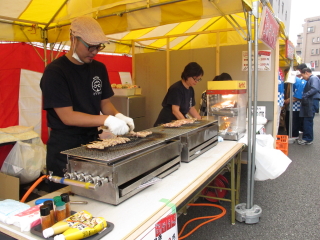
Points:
point(23, 199)
point(212, 218)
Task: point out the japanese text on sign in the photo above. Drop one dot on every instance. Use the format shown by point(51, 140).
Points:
point(268, 29)
point(289, 50)
point(164, 229)
point(264, 60)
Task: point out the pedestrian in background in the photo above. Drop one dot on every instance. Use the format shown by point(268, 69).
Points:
point(309, 105)
point(297, 91)
point(280, 94)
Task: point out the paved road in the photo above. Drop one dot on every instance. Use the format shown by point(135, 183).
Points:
point(290, 203)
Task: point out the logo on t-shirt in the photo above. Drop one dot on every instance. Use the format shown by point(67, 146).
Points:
point(96, 85)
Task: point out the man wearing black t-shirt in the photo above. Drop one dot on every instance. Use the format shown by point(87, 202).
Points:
point(76, 89)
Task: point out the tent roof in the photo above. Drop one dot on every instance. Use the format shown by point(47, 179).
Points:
point(122, 20)
point(152, 25)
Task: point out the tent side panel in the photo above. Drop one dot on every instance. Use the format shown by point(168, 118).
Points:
point(151, 77)
point(231, 62)
point(9, 95)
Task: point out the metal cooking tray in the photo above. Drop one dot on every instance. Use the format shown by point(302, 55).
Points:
point(159, 135)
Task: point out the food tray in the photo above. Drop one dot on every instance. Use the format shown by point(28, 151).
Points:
point(228, 112)
point(37, 230)
point(123, 91)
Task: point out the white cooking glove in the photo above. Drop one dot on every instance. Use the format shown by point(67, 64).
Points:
point(116, 125)
point(128, 120)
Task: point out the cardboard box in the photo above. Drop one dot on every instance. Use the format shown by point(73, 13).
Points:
point(138, 91)
point(9, 187)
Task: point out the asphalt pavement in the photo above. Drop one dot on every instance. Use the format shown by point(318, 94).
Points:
point(290, 203)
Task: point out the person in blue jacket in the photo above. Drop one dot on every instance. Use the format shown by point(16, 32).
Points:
point(309, 105)
point(297, 121)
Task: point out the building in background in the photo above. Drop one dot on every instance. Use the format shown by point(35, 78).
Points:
point(282, 9)
point(308, 43)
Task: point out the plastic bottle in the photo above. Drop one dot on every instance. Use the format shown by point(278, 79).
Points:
point(65, 198)
point(57, 199)
point(60, 211)
point(62, 226)
point(83, 229)
point(50, 204)
point(45, 217)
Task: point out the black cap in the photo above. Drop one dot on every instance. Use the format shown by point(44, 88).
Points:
point(65, 197)
point(48, 203)
point(44, 210)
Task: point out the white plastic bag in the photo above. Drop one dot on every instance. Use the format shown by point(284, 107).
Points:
point(26, 160)
point(265, 140)
point(270, 163)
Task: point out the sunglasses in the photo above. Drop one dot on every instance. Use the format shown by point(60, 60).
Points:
point(91, 48)
point(197, 80)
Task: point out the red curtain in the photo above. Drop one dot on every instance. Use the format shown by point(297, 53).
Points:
point(17, 56)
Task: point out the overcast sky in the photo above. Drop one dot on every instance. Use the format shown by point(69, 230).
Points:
point(300, 10)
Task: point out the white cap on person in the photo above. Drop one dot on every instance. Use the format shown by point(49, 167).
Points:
point(88, 29)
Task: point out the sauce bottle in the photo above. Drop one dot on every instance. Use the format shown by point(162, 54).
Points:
point(63, 225)
point(49, 203)
point(57, 199)
point(65, 198)
point(45, 217)
point(60, 211)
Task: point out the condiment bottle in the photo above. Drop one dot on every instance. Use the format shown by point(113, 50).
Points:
point(57, 199)
point(45, 217)
point(50, 204)
point(65, 198)
point(60, 211)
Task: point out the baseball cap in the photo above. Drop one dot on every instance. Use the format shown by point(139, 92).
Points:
point(88, 29)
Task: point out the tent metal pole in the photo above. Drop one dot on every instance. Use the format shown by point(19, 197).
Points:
point(290, 107)
point(133, 62)
point(232, 22)
point(20, 20)
point(119, 14)
point(32, 44)
point(57, 12)
point(168, 62)
point(249, 165)
point(60, 50)
point(248, 212)
point(218, 54)
point(45, 52)
point(254, 108)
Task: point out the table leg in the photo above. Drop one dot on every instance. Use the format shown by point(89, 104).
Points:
point(233, 203)
point(238, 178)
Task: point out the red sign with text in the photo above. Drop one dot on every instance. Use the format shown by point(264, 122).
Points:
point(289, 50)
point(165, 224)
point(269, 28)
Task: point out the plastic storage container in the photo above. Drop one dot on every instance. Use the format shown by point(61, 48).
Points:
point(282, 143)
